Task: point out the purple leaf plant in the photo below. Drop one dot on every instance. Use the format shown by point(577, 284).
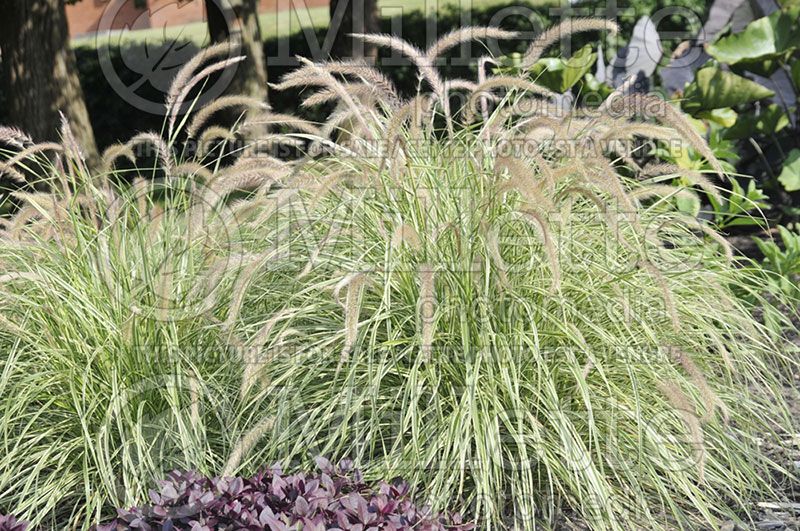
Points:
point(335, 499)
point(9, 523)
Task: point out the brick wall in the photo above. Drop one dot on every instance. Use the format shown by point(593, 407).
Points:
point(84, 16)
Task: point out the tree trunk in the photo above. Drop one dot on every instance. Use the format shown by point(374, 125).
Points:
point(39, 74)
point(251, 75)
point(353, 16)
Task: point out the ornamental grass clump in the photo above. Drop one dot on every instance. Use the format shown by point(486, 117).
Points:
point(486, 300)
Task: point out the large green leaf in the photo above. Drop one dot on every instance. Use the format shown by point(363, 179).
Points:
point(771, 119)
point(761, 45)
point(796, 76)
point(559, 75)
point(714, 88)
point(790, 175)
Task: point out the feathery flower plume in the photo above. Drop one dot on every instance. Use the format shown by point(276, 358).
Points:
point(426, 306)
point(114, 152)
point(683, 404)
point(288, 120)
point(71, 147)
point(369, 75)
point(205, 143)
point(417, 56)
point(363, 92)
point(354, 282)
point(8, 166)
point(710, 398)
point(549, 246)
point(568, 27)
point(465, 34)
point(660, 190)
point(327, 79)
point(246, 444)
point(163, 151)
point(651, 106)
point(194, 397)
point(669, 301)
point(694, 177)
point(14, 137)
point(521, 180)
point(225, 102)
point(405, 234)
point(185, 73)
point(493, 248)
point(180, 89)
point(506, 82)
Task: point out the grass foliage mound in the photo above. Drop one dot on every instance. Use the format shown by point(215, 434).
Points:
point(493, 300)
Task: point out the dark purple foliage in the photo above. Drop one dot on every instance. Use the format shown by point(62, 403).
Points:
point(335, 499)
point(9, 523)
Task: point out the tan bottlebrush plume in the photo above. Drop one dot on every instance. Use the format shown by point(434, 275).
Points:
point(363, 92)
point(194, 170)
point(521, 180)
point(568, 27)
point(253, 364)
point(174, 105)
point(629, 130)
point(369, 75)
point(213, 137)
point(618, 93)
point(8, 166)
point(683, 404)
point(72, 150)
point(602, 206)
point(340, 120)
point(225, 102)
point(411, 110)
point(405, 234)
point(187, 71)
point(151, 138)
point(651, 106)
point(710, 398)
point(287, 120)
point(694, 177)
point(417, 56)
point(711, 233)
point(253, 179)
point(354, 283)
point(327, 79)
point(114, 152)
point(600, 172)
point(669, 301)
point(20, 275)
point(426, 307)
point(14, 137)
point(140, 192)
point(260, 161)
point(21, 219)
point(194, 398)
point(246, 444)
point(549, 246)
point(459, 84)
point(493, 248)
point(506, 82)
point(466, 34)
point(164, 288)
point(660, 190)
